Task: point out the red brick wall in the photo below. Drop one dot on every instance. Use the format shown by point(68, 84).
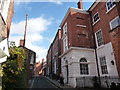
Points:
point(49, 59)
point(108, 35)
point(79, 36)
point(54, 53)
point(105, 18)
point(10, 15)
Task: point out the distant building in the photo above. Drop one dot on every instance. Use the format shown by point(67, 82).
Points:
point(6, 14)
point(37, 68)
point(40, 68)
point(44, 68)
point(89, 45)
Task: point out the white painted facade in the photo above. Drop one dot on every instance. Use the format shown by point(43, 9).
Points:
point(4, 7)
point(107, 51)
point(73, 56)
point(3, 50)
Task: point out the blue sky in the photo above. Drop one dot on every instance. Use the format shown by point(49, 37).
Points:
point(44, 19)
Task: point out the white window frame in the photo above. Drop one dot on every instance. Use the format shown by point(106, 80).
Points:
point(110, 23)
point(65, 28)
point(97, 19)
point(84, 72)
point(65, 44)
point(111, 7)
point(97, 39)
point(103, 70)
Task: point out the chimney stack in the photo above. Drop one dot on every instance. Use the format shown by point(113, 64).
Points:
point(80, 4)
point(22, 43)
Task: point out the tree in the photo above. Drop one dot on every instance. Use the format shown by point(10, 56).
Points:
point(14, 69)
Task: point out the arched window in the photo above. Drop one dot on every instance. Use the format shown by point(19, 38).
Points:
point(84, 70)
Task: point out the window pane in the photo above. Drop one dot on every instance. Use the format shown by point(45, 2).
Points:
point(110, 4)
point(84, 70)
point(115, 22)
point(95, 17)
point(99, 38)
point(103, 65)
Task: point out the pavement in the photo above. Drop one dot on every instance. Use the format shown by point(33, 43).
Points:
point(57, 84)
point(61, 87)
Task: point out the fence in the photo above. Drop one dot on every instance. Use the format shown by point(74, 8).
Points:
point(106, 81)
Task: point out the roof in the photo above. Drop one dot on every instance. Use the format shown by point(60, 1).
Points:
point(94, 5)
point(75, 10)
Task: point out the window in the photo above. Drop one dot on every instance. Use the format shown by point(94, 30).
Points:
point(110, 4)
point(83, 67)
point(65, 28)
point(103, 65)
point(99, 38)
point(65, 44)
point(115, 22)
point(96, 17)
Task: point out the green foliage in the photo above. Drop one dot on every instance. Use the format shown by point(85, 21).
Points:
point(14, 69)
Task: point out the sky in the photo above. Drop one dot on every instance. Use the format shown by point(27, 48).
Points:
point(44, 19)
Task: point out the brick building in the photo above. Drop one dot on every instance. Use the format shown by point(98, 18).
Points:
point(6, 14)
point(90, 44)
point(40, 68)
point(53, 60)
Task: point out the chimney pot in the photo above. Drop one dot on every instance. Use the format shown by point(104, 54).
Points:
point(80, 4)
point(21, 42)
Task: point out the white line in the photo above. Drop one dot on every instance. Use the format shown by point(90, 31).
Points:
point(32, 82)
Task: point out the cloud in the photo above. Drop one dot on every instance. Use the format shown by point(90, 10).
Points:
point(40, 51)
point(18, 2)
point(55, 1)
point(35, 28)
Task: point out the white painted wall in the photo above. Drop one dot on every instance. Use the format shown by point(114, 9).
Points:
point(107, 51)
point(4, 12)
point(73, 58)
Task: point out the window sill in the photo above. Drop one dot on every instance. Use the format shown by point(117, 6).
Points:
point(110, 9)
point(101, 46)
point(84, 75)
point(114, 28)
point(96, 22)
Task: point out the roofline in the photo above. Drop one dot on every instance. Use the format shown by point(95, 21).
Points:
point(57, 34)
point(94, 5)
point(27, 49)
point(76, 48)
point(72, 9)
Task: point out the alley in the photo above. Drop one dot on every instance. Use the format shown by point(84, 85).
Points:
point(42, 82)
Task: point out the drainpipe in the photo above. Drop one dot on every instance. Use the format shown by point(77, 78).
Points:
point(98, 70)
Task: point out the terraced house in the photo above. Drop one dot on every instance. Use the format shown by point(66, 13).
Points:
point(90, 44)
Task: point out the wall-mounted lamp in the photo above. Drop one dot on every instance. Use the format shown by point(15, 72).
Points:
point(112, 62)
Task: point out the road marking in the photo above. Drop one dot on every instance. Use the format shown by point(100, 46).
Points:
point(32, 82)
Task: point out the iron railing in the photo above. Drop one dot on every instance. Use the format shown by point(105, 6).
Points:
point(106, 81)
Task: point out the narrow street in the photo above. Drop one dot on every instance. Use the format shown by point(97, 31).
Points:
point(42, 82)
